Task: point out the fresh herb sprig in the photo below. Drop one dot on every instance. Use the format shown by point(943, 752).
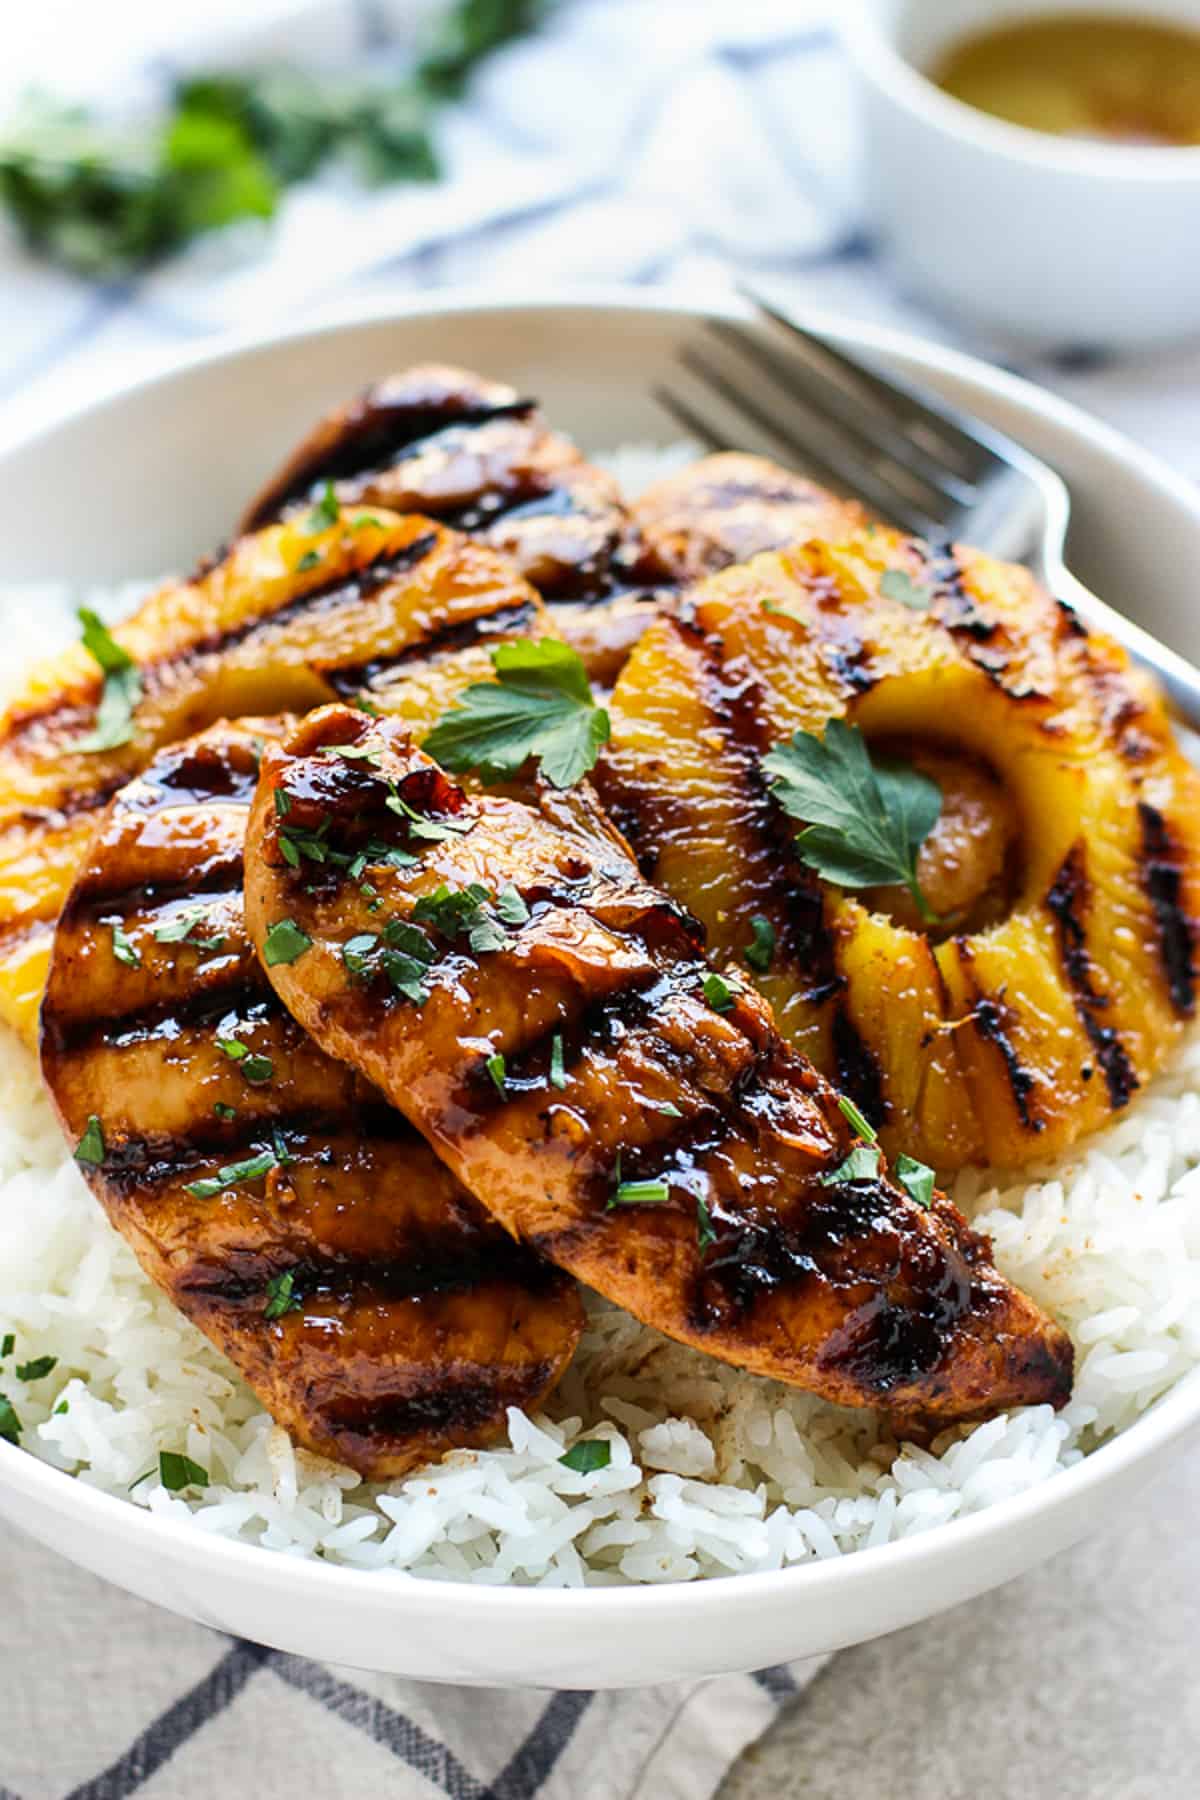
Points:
point(540, 705)
point(103, 198)
point(865, 818)
point(122, 684)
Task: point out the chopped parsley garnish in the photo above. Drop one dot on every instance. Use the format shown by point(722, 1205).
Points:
point(896, 584)
point(309, 560)
point(761, 948)
point(122, 685)
point(470, 910)
point(296, 843)
point(281, 1298)
point(511, 907)
point(283, 803)
point(64, 1406)
point(10, 1425)
point(182, 929)
point(8, 1345)
point(637, 1193)
point(558, 1074)
point(90, 1148)
point(719, 992)
point(705, 1235)
point(358, 951)
point(539, 705)
point(862, 1164)
point(253, 1068)
point(325, 513)
point(364, 522)
point(251, 1168)
point(285, 943)
point(432, 831)
point(916, 1178)
point(667, 1107)
point(124, 948)
point(495, 1068)
point(587, 1456)
point(857, 1122)
point(34, 1371)
point(353, 752)
point(865, 820)
point(404, 954)
point(223, 1109)
point(177, 1472)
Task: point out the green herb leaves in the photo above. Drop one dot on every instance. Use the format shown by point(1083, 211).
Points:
point(865, 820)
point(326, 512)
point(588, 1455)
point(37, 1369)
point(10, 1424)
point(281, 1296)
point(177, 1472)
point(122, 686)
point(856, 1121)
point(124, 948)
point(862, 1164)
point(251, 1168)
point(473, 911)
point(539, 705)
point(719, 991)
point(284, 943)
point(761, 948)
point(916, 1179)
point(895, 584)
point(402, 952)
point(90, 1148)
point(257, 1070)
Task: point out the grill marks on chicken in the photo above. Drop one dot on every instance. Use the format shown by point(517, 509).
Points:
point(609, 1101)
point(292, 617)
point(479, 456)
point(1065, 865)
point(371, 1304)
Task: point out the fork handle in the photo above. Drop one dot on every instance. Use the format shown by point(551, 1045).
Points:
point(1178, 677)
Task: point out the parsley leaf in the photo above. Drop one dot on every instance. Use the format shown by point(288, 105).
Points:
point(587, 1456)
point(10, 1425)
point(558, 1074)
point(8, 1345)
point(719, 992)
point(916, 1178)
point(865, 820)
point(862, 1164)
point(325, 513)
point(251, 1168)
point(433, 831)
point(124, 948)
point(857, 1121)
point(34, 1371)
point(90, 1148)
point(223, 1110)
point(636, 1193)
point(285, 943)
point(310, 560)
point(177, 1472)
point(705, 1235)
point(539, 705)
point(495, 1068)
point(122, 685)
point(511, 907)
point(761, 948)
point(255, 1069)
point(895, 584)
point(281, 1297)
point(182, 930)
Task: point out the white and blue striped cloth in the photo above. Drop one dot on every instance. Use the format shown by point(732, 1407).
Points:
point(641, 141)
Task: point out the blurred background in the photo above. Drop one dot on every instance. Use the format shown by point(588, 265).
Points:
point(184, 169)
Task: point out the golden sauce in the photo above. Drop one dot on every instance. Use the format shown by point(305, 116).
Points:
point(1083, 75)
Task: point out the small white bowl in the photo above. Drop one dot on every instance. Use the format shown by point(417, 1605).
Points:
point(1047, 238)
point(146, 477)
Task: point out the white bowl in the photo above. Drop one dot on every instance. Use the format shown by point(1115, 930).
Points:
point(1044, 237)
point(146, 478)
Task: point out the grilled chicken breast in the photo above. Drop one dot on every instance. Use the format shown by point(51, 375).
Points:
point(301, 1222)
point(550, 1023)
point(294, 616)
point(1064, 869)
point(477, 455)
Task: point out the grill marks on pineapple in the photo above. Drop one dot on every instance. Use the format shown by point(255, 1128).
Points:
point(801, 1262)
point(1162, 876)
point(408, 1322)
point(1067, 900)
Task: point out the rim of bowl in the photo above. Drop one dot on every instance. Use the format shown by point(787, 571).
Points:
point(874, 51)
point(1168, 1419)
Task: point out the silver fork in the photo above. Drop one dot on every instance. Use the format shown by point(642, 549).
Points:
point(913, 459)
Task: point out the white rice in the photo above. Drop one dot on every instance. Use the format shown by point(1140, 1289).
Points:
point(711, 1472)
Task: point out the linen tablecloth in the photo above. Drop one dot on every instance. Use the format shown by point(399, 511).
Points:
point(642, 141)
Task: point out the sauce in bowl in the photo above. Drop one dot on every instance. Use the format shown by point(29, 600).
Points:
point(1083, 75)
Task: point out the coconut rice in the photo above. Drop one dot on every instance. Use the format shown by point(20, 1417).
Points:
point(710, 1471)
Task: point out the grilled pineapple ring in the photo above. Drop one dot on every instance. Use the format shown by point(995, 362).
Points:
point(1067, 859)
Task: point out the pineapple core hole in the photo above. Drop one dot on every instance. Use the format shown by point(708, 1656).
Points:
point(968, 866)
